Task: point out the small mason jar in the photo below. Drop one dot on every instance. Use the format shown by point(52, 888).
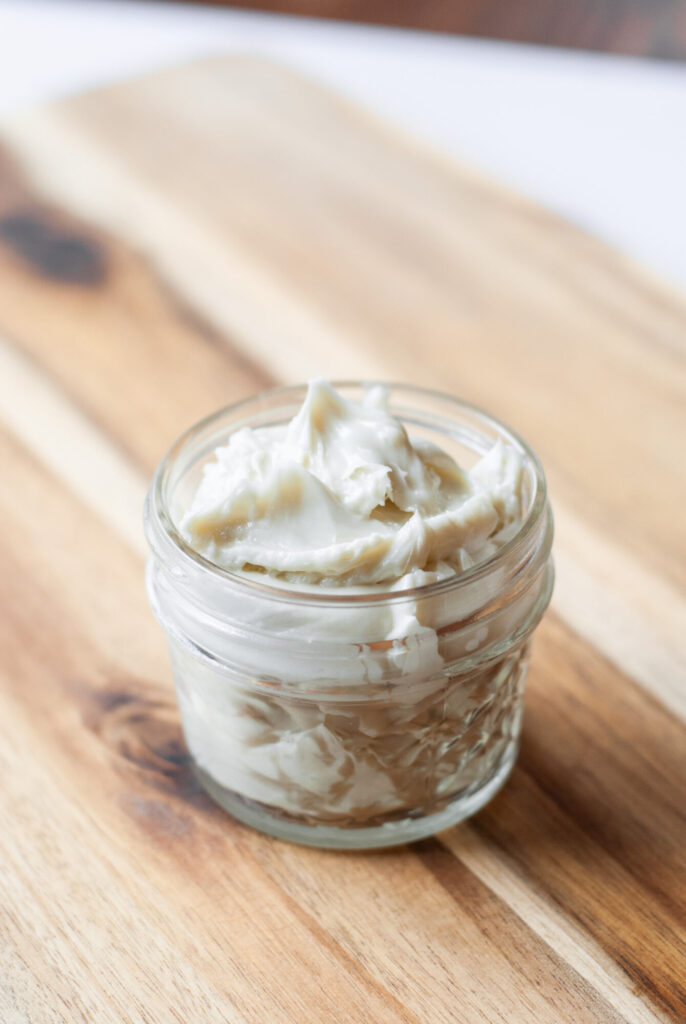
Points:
point(349, 717)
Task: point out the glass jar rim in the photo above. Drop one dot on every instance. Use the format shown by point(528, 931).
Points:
point(159, 521)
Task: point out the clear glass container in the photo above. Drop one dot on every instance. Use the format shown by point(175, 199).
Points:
point(350, 717)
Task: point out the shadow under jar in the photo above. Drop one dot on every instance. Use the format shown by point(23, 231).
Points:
point(354, 717)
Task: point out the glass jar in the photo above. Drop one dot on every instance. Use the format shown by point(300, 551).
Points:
point(351, 717)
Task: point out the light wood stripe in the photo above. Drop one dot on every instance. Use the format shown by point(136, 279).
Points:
point(70, 447)
point(635, 618)
point(556, 929)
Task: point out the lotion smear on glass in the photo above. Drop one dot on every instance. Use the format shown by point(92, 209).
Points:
point(349, 610)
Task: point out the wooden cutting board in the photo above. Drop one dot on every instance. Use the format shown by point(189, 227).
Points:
point(172, 244)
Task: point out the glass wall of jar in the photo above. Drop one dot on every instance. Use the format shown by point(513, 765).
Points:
point(349, 717)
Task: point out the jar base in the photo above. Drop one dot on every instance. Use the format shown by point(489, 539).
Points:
point(391, 833)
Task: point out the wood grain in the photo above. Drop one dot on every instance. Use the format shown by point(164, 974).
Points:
point(177, 242)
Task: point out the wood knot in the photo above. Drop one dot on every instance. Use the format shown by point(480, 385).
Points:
point(145, 732)
point(56, 252)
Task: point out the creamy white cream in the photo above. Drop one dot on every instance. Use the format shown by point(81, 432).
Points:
point(342, 496)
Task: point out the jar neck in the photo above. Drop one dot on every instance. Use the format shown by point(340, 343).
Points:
point(255, 634)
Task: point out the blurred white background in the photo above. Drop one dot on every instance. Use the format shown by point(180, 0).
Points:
point(600, 139)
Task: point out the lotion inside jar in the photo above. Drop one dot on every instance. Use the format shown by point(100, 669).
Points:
point(363, 642)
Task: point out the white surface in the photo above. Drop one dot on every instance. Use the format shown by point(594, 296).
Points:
point(602, 140)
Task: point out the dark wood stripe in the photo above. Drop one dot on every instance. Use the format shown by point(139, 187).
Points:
point(593, 816)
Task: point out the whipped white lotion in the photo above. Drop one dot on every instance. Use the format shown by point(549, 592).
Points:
point(342, 496)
